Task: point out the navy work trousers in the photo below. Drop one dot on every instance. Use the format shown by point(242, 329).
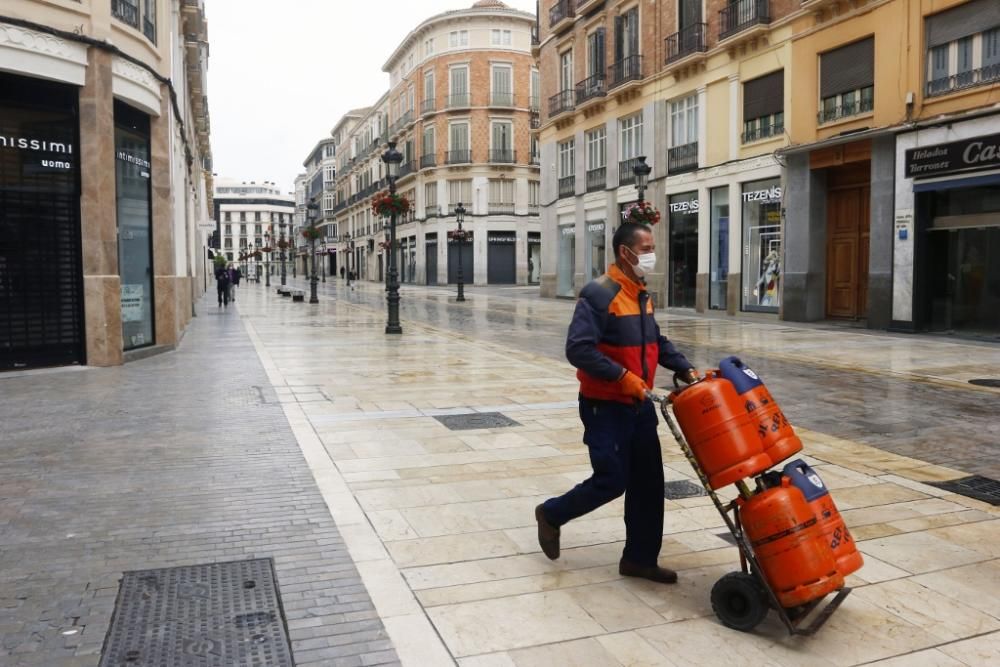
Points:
point(625, 455)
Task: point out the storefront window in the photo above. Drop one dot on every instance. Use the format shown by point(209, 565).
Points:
point(719, 250)
point(567, 260)
point(534, 257)
point(596, 249)
point(135, 262)
point(762, 263)
point(683, 251)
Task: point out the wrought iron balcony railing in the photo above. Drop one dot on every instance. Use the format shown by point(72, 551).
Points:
point(406, 169)
point(561, 101)
point(837, 112)
point(432, 211)
point(428, 160)
point(625, 70)
point(495, 208)
point(682, 158)
point(126, 11)
point(597, 179)
point(427, 106)
point(502, 156)
point(962, 80)
point(591, 87)
point(462, 156)
point(502, 99)
point(567, 186)
point(457, 101)
point(763, 132)
point(563, 9)
point(743, 14)
point(692, 39)
point(626, 171)
point(534, 120)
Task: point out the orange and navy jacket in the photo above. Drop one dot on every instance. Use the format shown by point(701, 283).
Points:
point(613, 329)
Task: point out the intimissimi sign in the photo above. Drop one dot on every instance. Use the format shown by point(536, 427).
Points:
point(35, 144)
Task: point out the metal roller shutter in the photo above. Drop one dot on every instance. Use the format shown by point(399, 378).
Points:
point(847, 68)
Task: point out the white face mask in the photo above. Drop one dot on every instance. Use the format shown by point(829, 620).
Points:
point(647, 262)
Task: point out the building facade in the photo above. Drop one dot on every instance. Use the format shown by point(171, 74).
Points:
point(463, 92)
point(253, 217)
point(105, 178)
point(771, 201)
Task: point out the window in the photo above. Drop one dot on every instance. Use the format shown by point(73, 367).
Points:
point(763, 107)
point(458, 136)
point(566, 70)
point(534, 193)
point(963, 47)
point(428, 47)
point(684, 121)
point(257, 229)
point(500, 37)
point(227, 216)
point(847, 76)
point(533, 102)
point(128, 11)
point(630, 137)
point(409, 99)
point(597, 148)
point(502, 191)
point(595, 53)
point(428, 91)
point(243, 230)
point(428, 147)
point(567, 163)
point(328, 174)
point(501, 141)
point(256, 216)
point(460, 192)
point(627, 34)
point(328, 202)
point(503, 92)
point(458, 38)
point(431, 199)
point(243, 216)
point(228, 229)
point(459, 86)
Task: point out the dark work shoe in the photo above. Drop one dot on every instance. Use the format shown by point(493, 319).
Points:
point(660, 575)
point(548, 535)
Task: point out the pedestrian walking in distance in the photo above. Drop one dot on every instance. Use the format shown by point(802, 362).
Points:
point(222, 285)
point(615, 344)
point(235, 275)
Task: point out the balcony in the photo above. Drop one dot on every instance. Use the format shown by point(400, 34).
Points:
point(504, 99)
point(742, 15)
point(591, 87)
point(432, 211)
point(625, 70)
point(562, 10)
point(763, 132)
point(567, 186)
point(463, 156)
point(534, 120)
point(457, 101)
point(561, 101)
point(687, 42)
point(597, 179)
point(626, 170)
point(682, 158)
point(535, 159)
point(832, 112)
point(427, 106)
point(502, 156)
point(963, 80)
point(406, 169)
point(126, 11)
point(429, 160)
point(494, 208)
point(534, 104)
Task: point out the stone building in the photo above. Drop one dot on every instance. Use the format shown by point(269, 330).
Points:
point(105, 178)
point(250, 216)
point(462, 97)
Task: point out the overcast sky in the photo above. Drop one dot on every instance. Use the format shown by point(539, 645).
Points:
point(280, 80)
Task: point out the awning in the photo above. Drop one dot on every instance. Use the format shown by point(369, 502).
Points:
point(965, 181)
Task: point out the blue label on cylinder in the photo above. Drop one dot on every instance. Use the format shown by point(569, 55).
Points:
point(805, 479)
point(741, 375)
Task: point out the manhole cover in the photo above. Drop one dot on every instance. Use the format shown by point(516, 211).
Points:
point(975, 486)
point(986, 382)
point(682, 488)
point(474, 420)
point(214, 614)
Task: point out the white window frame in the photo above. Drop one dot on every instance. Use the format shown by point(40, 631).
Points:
point(597, 148)
point(499, 67)
point(451, 79)
point(500, 37)
point(468, 138)
point(510, 134)
point(684, 121)
point(566, 70)
point(630, 136)
point(428, 47)
point(567, 158)
point(458, 38)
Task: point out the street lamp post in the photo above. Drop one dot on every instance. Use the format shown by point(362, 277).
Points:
point(392, 158)
point(641, 171)
point(313, 208)
point(282, 243)
point(459, 237)
point(267, 262)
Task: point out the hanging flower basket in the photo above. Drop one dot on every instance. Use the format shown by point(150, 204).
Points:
point(311, 233)
point(283, 244)
point(642, 212)
point(385, 245)
point(255, 254)
point(266, 249)
point(385, 204)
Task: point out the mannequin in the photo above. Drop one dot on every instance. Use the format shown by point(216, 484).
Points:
point(767, 285)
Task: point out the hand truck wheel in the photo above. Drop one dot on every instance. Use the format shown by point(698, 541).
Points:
point(739, 601)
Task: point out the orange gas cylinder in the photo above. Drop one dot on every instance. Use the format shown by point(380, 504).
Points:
point(789, 545)
point(835, 532)
point(776, 434)
point(720, 432)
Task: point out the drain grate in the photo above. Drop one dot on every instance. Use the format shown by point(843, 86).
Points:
point(986, 382)
point(216, 614)
point(682, 488)
point(975, 486)
point(474, 420)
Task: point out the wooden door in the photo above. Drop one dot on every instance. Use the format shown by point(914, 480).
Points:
point(848, 223)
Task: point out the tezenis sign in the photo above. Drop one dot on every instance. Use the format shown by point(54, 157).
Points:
point(966, 155)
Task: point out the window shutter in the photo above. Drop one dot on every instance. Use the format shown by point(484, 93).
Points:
point(764, 95)
point(619, 38)
point(847, 68)
point(962, 21)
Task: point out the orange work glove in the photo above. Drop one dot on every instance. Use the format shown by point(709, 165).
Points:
point(633, 385)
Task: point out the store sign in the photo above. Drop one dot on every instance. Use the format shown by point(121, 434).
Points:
point(132, 302)
point(41, 146)
point(568, 230)
point(691, 206)
point(499, 238)
point(769, 196)
point(966, 155)
point(595, 227)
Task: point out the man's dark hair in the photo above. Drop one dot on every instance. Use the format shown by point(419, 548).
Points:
point(625, 235)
